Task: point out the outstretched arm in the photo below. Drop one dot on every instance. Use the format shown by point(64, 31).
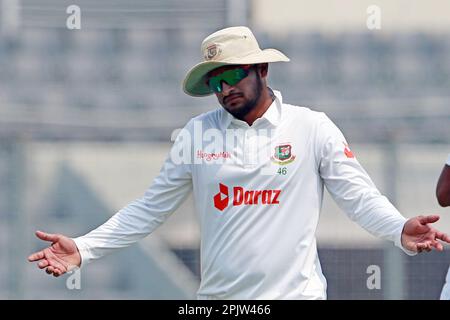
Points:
point(443, 186)
point(355, 193)
point(135, 221)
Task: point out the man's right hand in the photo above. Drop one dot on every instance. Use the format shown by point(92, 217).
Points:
point(60, 257)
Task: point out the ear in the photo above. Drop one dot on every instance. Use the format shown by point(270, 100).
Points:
point(263, 69)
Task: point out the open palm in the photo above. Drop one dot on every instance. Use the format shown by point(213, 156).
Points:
point(60, 257)
point(418, 235)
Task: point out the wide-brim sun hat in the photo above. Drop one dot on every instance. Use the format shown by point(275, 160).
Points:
point(230, 46)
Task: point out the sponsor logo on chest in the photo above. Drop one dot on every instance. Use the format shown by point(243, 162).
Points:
point(241, 196)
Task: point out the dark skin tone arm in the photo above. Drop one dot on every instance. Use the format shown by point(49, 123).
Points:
point(443, 187)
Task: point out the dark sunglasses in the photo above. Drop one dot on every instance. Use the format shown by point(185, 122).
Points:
point(231, 77)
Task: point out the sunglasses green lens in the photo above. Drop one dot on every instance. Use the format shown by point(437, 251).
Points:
point(231, 77)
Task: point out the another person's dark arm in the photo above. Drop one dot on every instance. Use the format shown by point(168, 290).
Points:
point(443, 186)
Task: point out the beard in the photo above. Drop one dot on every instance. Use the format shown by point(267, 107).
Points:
point(250, 104)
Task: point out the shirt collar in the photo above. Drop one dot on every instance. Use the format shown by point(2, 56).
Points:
point(272, 114)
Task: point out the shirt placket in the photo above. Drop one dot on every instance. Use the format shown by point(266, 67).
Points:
point(250, 144)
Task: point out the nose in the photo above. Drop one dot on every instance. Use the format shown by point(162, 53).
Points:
point(226, 88)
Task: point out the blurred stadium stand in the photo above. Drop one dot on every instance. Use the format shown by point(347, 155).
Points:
point(71, 102)
point(394, 86)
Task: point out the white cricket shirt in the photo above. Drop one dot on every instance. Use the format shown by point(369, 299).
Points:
point(258, 203)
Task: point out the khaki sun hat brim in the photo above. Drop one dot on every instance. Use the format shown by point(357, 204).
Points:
point(194, 83)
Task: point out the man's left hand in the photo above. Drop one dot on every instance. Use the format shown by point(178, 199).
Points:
point(419, 236)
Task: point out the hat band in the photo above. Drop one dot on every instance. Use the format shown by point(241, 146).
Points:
point(236, 57)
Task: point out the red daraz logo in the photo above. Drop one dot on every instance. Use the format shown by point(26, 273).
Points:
point(245, 197)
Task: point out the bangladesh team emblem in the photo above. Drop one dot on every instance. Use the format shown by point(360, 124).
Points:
point(212, 51)
point(283, 154)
